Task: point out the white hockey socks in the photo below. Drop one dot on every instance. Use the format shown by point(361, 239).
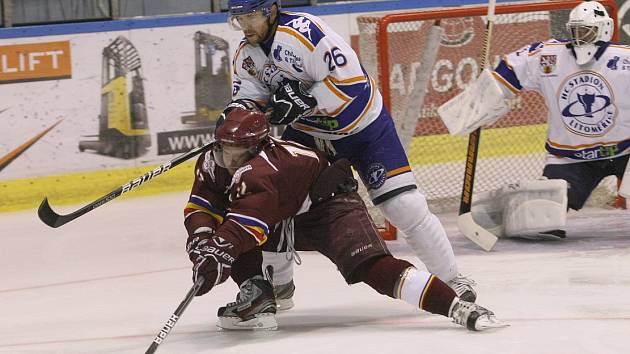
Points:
point(423, 231)
point(412, 285)
point(282, 265)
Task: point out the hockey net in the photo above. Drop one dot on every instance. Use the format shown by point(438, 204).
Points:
point(512, 149)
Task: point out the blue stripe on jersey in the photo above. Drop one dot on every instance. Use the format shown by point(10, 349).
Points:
point(353, 89)
point(504, 70)
point(534, 46)
point(258, 229)
point(304, 26)
point(205, 204)
point(346, 117)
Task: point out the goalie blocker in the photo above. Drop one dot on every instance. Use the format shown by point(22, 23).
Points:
point(534, 209)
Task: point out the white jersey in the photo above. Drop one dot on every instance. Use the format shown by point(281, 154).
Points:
point(304, 48)
point(589, 105)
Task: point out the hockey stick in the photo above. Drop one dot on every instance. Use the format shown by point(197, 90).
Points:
point(624, 188)
point(170, 323)
point(467, 225)
point(52, 219)
point(416, 96)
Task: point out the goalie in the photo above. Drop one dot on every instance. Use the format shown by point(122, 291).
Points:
point(584, 81)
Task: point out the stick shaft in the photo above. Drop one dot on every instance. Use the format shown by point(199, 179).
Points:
point(52, 219)
point(170, 323)
point(474, 137)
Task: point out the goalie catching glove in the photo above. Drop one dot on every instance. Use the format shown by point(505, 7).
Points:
point(212, 258)
point(480, 104)
point(290, 102)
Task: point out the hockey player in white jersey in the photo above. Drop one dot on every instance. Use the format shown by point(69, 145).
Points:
point(309, 79)
point(585, 82)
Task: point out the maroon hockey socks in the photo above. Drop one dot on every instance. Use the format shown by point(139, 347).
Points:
point(401, 280)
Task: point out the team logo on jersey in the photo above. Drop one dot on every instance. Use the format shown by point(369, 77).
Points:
point(457, 31)
point(548, 63)
point(376, 175)
point(585, 100)
point(249, 66)
point(276, 53)
point(287, 55)
point(273, 76)
point(612, 63)
point(302, 25)
point(208, 164)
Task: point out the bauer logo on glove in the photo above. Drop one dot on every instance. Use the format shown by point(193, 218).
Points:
point(291, 102)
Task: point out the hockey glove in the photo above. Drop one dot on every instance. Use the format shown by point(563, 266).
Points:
point(212, 257)
point(290, 102)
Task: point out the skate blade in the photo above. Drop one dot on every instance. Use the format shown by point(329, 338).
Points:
point(284, 304)
point(488, 322)
point(264, 322)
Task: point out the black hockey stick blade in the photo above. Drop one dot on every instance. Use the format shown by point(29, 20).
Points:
point(52, 219)
point(48, 216)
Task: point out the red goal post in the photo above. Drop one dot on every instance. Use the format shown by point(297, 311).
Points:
point(513, 148)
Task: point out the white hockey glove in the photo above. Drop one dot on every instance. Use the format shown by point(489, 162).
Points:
point(290, 102)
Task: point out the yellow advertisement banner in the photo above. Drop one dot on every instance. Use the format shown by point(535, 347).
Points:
point(35, 61)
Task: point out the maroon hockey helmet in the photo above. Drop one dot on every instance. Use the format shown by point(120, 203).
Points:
point(244, 128)
point(240, 135)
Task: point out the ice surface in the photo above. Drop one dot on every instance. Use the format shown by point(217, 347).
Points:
point(107, 282)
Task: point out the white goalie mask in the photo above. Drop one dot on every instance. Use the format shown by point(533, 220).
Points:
point(588, 24)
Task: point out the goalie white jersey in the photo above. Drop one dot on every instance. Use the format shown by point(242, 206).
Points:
point(589, 109)
point(304, 48)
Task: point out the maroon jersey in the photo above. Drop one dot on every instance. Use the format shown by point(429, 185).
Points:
point(269, 188)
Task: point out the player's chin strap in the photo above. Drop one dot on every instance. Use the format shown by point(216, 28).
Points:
point(288, 233)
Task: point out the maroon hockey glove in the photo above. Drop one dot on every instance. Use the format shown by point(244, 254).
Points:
point(212, 258)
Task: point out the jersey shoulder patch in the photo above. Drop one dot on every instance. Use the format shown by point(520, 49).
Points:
point(301, 26)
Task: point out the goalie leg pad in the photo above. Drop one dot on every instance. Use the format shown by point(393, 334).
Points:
point(532, 208)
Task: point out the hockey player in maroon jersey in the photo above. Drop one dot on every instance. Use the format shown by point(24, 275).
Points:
point(310, 80)
point(252, 191)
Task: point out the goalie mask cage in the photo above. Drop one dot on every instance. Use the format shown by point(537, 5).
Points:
point(512, 149)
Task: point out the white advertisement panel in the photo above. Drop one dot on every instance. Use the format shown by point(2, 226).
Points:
point(83, 112)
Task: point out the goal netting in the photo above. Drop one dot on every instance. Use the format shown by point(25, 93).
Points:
point(390, 48)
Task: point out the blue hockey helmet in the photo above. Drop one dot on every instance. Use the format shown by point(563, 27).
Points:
point(244, 7)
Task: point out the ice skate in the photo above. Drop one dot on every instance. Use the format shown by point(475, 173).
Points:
point(254, 308)
point(463, 287)
point(284, 295)
point(473, 316)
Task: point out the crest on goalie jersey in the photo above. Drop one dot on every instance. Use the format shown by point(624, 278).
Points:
point(585, 100)
point(548, 63)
